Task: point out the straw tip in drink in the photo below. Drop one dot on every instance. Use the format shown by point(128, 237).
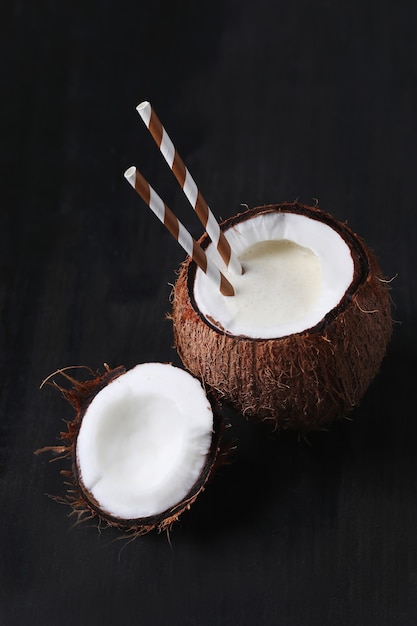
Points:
point(130, 175)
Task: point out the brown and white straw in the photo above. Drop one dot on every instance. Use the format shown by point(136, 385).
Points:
point(189, 187)
point(176, 228)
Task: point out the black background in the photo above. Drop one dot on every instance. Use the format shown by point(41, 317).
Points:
point(266, 102)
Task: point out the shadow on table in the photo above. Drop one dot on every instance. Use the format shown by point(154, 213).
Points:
point(282, 476)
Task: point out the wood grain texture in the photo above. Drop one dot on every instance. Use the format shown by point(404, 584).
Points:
point(303, 100)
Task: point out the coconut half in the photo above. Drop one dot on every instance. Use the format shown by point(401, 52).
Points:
point(307, 328)
point(143, 445)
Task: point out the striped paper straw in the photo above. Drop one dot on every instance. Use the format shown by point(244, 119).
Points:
point(189, 187)
point(181, 234)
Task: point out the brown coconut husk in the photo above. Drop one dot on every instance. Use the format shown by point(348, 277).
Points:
point(305, 380)
point(82, 502)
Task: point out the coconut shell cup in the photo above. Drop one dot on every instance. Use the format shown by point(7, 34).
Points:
point(302, 381)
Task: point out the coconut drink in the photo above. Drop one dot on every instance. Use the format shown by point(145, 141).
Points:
point(307, 327)
point(281, 310)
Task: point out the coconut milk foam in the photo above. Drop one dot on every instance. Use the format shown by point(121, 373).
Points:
point(281, 283)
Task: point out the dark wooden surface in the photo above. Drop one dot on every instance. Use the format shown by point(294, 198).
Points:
point(308, 100)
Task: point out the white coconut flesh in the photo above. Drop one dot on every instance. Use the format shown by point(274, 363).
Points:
point(144, 440)
point(296, 270)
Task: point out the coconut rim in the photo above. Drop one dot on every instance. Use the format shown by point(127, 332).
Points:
point(358, 253)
